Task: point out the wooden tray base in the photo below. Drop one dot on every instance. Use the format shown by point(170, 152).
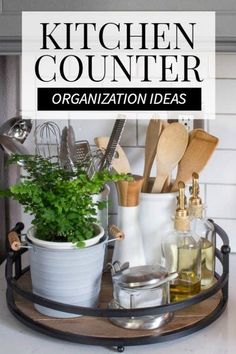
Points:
point(98, 327)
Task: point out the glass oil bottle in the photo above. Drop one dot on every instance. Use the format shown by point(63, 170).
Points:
point(205, 232)
point(182, 254)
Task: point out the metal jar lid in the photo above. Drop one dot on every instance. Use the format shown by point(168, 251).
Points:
point(141, 276)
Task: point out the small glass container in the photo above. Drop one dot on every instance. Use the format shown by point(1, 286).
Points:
point(141, 287)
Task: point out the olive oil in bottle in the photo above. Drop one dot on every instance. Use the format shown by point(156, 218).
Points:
point(207, 263)
point(204, 230)
point(183, 254)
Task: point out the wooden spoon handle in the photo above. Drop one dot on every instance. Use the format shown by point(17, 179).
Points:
point(152, 136)
point(147, 171)
point(159, 183)
point(166, 186)
point(174, 188)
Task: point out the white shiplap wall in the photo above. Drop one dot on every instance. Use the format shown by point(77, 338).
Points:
point(218, 180)
point(220, 174)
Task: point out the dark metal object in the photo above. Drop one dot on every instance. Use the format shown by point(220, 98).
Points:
point(2, 258)
point(112, 143)
point(67, 154)
point(12, 146)
point(16, 128)
point(71, 148)
point(3, 225)
point(222, 283)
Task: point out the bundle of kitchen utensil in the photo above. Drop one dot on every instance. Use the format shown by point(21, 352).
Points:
point(172, 147)
point(50, 142)
point(61, 146)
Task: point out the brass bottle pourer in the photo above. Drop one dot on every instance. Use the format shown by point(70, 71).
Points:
point(195, 202)
point(181, 197)
point(195, 184)
point(181, 216)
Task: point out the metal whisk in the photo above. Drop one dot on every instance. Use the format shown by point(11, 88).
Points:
point(96, 157)
point(47, 138)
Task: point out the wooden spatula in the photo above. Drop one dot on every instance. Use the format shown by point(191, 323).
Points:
point(120, 163)
point(170, 149)
point(201, 147)
point(152, 136)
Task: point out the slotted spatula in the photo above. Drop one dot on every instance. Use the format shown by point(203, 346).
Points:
point(201, 147)
point(152, 136)
point(170, 149)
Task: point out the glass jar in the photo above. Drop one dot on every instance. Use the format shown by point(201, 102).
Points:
point(204, 231)
point(182, 253)
point(141, 287)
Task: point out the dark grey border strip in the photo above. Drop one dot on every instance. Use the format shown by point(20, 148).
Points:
point(226, 44)
point(12, 45)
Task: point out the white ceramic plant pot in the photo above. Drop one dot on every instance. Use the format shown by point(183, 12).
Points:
point(156, 213)
point(66, 274)
point(102, 215)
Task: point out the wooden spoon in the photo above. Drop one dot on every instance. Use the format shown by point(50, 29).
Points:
point(152, 136)
point(201, 147)
point(193, 133)
point(170, 149)
point(167, 186)
point(120, 163)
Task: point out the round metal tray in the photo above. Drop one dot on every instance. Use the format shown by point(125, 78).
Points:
point(94, 328)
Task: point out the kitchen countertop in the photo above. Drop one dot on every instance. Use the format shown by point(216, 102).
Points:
point(218, 338)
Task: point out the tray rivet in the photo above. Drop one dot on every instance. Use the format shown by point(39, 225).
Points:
point(120, 349)
point(225, 249)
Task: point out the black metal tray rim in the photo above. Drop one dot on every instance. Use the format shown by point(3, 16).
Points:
point(221, 283)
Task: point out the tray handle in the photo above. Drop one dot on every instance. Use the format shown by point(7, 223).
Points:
point(14, 241)
point(116, 233)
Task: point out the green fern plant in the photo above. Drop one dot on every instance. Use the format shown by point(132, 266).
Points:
point(60, 201)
